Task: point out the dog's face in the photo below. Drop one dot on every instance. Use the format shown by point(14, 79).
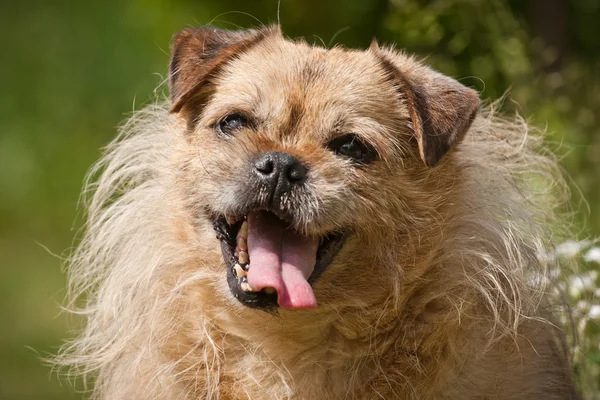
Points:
point(309, 162)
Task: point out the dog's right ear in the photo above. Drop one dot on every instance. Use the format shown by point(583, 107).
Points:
point(199, 53)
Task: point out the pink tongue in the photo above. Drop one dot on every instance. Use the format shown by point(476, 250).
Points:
point(281, 259)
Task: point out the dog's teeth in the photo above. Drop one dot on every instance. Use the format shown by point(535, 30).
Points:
point(243, 233)
point(241, 244)
point(245, 287)
point(243, 257)
point(269, 290)
point(239, 271)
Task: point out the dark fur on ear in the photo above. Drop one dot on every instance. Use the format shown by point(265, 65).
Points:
point(199, 53)
point(441, 109)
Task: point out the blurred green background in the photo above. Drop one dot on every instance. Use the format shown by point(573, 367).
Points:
point(72, 70)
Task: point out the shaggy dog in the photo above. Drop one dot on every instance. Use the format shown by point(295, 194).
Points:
point(307, 223)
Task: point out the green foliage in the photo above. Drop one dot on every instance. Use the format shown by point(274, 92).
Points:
point(576, 280)
point(72, 70)
point(490, 46)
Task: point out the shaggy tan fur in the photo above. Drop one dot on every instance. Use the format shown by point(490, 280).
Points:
point(437, 293)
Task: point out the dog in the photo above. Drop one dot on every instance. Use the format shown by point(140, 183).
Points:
point(297, 222)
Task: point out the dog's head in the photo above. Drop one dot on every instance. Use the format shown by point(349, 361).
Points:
point(300, 155)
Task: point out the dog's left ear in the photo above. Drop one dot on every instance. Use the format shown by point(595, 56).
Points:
point(198, 54)
point(441, 109)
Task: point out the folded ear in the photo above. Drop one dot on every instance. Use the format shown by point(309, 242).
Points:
point(440, 108)
point(199, 53)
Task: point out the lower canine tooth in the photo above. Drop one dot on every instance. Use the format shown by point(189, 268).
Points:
point(241, 244)
point(239, 271)
point(269, 290)
point(245, 287)
point(243, 232)
point(243, 257)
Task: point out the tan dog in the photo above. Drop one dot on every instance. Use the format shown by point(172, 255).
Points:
point(364, 249)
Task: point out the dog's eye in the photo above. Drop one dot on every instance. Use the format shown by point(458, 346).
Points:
point(351, 146)
point(231, 123)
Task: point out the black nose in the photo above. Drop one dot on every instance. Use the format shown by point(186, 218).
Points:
point(279, 172)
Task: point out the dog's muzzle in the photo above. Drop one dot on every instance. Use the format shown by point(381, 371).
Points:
point(278, 173)
point(269, 263)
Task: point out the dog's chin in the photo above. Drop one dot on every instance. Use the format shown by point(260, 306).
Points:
point(312, 255)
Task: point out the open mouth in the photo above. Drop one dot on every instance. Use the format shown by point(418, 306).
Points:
point(269, 264)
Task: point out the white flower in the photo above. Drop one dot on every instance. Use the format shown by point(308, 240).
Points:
point(593, 255)
point(581, 307)
point(569, 248)
point(585, 281)
point(594, 311)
